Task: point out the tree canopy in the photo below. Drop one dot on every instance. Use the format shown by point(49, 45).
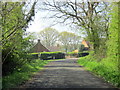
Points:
point(92, 16)
point(70, 41)
point(48, 36)
point(14, 22)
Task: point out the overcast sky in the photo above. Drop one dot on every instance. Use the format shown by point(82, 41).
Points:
point(41, 23)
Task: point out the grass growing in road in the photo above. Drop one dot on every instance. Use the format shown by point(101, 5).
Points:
point(23, 74)
point(106, 69)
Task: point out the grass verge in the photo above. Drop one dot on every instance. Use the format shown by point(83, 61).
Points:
point(106, 69)
point(56, 59)
point(23, 74)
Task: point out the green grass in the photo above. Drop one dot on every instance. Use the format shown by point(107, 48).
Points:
point(106, 69)
point(51, 52)
point(56, 59)
point(23, 73)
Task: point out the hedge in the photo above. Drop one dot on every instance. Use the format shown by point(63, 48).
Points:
point(56, 55)
point(51, 55)
point(34, 55)
point(83, 54)
point(79, 54)
point(47, 55)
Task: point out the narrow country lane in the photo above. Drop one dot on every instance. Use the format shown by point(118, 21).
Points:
point(65, 74)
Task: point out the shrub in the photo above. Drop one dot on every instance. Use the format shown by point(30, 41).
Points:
point(59, 55)
point(79, 54)
point(82, 54)
point(22, 74)
point(51, 55)
point(105, 68)
point(45, 56)
point(13, 61)
point(34, 55)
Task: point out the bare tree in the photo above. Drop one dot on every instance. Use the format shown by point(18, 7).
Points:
point(87, 15)
point(70, 41)
point(48, 36)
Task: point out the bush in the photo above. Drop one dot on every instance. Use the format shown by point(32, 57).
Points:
point(51, 55)
point(82, 54)
point(79, 54)
point(59, 55)
point(22, 74)
point(13, 61)
point(106, 69)
point(46, 56)
point(34, 55)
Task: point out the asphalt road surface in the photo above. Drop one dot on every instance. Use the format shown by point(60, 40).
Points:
point(65, 74)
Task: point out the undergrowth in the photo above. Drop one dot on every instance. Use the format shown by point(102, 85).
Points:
point(23, 74)
point(104, 68)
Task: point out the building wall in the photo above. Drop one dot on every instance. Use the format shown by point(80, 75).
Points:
point(85, 44)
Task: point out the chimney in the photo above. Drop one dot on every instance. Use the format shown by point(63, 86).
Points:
point(38, 40)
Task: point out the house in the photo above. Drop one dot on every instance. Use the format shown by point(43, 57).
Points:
point(54, 48)
point(39, 48)
point(76, 51)
point(86, 44)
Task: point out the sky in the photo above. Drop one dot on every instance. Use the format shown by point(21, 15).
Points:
point(41, 23)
